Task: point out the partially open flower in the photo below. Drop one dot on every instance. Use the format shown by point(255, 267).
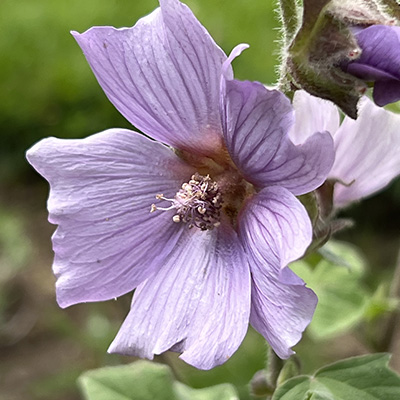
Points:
point(379, 61)
point(225, 222)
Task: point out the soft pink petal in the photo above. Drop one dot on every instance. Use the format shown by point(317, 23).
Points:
point(312, 114)
point(163, 75)
point(256, 126)
point(275, 229)
point(101, 191)
point(367, 153)
point(198, 303)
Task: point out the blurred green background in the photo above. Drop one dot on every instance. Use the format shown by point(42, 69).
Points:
point(47, 89)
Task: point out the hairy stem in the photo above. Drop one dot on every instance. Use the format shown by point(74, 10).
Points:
point(289, 16)
point(264, 382)
point(274, 367)
point(288, 11)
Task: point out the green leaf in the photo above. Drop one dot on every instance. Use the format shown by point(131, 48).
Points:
point(394, 107)
point(380, 303)
point(345, 255)
point(145, 380)
point(358, 378)
point(219, 392)
point(337, 283)
point(141, 380)
point(15, 246)
point(290, 369)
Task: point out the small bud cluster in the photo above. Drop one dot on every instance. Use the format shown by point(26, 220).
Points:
point(198, 203)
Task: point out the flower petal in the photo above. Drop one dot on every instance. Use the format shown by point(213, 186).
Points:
point(386, 92)
point(101, 190)
point(369, 73)
point(312, 114)
point(198, 303)
point(275, 229)
point(163, 75)
point(227, 72)
point(379, 61)
point(367, 153)
point(257, 122)
point(380, 46)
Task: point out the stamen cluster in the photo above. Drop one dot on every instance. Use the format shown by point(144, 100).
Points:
point(198, 203)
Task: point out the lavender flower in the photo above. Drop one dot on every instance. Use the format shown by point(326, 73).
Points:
point(379, 61)
point(225, 222)
point(367, 149)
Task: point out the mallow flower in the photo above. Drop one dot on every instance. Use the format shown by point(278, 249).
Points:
point(202, 217)
point(367, 149)
point(379, 61)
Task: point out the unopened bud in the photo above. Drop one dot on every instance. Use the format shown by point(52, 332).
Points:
point(326, 42)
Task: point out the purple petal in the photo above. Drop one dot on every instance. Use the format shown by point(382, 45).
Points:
point(163, 75)
point(198, 303)
point(379, 61)
point(368, 72)
point(256, 126)
point(275, 229)
point(227, 72)
point(367, 153)
point(101, 190)
point(380, 46)
point(276, 218)
point(312, 114)
point(386, 92)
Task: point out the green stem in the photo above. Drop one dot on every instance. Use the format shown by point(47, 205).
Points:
point(274, 367)
point(264, 382)
point(289, 12)
point(393, 321)
point(289, 16)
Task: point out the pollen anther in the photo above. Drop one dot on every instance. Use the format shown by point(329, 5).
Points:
point(198, 203)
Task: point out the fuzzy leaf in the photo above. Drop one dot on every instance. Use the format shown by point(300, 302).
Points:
point(336, 281)
point(141, 380)
point(357, 378)
point(218, 392)
point(144, 380)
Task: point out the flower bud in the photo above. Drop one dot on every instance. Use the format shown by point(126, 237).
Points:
point(328, 43)
point(379, 62)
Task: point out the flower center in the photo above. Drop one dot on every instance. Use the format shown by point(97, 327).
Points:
point(198, 203)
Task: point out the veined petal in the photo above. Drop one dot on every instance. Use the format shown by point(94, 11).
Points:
point(379, 61)
point(163, 75)
point(276, 220)
point(275, 229)
point(101, 191)
point(257, 123)
point(380, 46)
point(312, 114)
point(198, 303)
point(367, 153)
